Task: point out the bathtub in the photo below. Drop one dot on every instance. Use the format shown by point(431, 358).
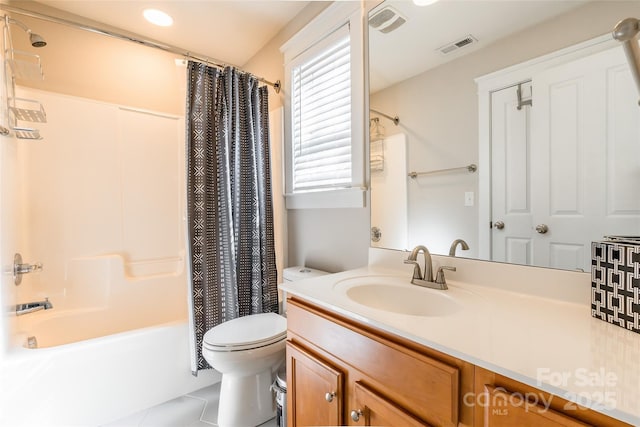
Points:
point(52, 328)
point(98, 364)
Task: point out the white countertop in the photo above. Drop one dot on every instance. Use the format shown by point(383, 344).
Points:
point(550, 344)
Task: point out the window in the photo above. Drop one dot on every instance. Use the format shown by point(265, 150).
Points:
point(321, 118)
point(324, 132)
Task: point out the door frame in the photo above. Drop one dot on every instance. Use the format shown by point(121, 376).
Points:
point(502, 79)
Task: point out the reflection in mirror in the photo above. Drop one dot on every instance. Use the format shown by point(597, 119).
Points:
point(388, 167)
point(537, 94)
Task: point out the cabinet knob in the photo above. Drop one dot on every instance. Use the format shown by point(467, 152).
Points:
point(356, 414)
point(329, 396)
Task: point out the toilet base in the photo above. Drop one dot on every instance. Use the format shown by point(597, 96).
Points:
point(246, 401)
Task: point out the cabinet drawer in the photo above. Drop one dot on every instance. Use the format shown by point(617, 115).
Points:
point(424, 386)
point(375, 410)
point(507, 409)
point(500, 402)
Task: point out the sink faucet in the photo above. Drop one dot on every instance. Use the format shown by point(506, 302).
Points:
point(30, 307)
point(426, 279)
point(428, 268)
point(454, 246)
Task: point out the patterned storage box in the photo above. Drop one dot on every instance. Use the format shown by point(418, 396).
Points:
point(615, 281)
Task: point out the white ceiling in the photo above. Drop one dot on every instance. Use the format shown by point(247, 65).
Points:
point(233, 31)
point(416, 43)
point(228, 31)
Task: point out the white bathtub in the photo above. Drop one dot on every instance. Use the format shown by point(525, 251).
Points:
point(53, 328)
point(96, 365)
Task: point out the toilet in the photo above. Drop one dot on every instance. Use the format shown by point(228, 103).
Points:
point(293, 274)
point(247, 351)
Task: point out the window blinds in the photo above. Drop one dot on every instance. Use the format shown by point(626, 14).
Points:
point(321, 118)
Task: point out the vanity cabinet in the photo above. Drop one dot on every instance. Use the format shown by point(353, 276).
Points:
point(341, 372)
point(507, 402)
point(314, 389)
point(344, 372)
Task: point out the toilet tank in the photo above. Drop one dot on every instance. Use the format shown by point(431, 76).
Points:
point(292, 274)
point(300, 272)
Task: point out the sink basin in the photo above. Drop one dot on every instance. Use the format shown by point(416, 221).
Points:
point(397, 296)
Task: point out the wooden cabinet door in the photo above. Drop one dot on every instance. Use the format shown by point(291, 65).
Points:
point(314, 390)
point(508, 409)
point(374, 410)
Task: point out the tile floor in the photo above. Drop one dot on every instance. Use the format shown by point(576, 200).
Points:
point(197, 409)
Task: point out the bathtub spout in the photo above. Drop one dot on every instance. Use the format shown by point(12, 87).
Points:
point(30, 307)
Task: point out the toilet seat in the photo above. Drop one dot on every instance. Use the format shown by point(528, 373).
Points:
point(246, 333)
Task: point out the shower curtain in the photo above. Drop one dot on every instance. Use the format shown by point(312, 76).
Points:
point(229, 203)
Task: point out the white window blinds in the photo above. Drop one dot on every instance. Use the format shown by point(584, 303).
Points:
point(321, 116)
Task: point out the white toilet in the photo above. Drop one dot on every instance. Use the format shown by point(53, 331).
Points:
point(247, 351)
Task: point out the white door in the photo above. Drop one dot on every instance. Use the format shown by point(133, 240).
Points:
point(564, 179)
point(511, 178)
point(585, 129)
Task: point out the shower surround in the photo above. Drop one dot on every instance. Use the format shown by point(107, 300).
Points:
point(102, 208)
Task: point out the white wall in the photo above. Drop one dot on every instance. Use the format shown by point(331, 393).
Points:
point(438, 112)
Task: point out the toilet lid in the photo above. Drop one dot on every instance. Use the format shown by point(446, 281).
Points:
point(244, 333)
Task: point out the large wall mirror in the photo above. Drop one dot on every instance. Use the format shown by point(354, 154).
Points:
point(517, 131)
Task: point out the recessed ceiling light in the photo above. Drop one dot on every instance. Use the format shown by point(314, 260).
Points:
point(157, 17)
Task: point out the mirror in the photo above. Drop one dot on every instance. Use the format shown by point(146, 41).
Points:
point(533, 93)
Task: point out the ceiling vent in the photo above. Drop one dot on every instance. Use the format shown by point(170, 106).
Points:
point(458, 44)
point(386, 20)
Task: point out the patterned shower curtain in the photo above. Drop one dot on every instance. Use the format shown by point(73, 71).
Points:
point(229, 203)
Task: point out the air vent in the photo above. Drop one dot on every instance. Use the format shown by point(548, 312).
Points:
point(458, 44)
point(386, 20)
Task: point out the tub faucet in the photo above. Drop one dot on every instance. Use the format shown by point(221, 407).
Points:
point(30, 307)
point(426, 279)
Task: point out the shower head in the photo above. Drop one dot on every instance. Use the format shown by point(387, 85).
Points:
point(36, 39)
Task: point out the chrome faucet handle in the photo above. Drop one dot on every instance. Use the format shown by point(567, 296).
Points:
point(417, 272)
point(440, 279)
point(19, 268)
point(29, 268)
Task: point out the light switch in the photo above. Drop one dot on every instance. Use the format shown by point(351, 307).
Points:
point(468, 198)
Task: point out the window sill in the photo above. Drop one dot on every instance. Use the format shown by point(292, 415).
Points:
point(327, 199)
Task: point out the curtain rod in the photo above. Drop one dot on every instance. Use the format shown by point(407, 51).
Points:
point(626, 31)
point(135, 39)
point(394, 119)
